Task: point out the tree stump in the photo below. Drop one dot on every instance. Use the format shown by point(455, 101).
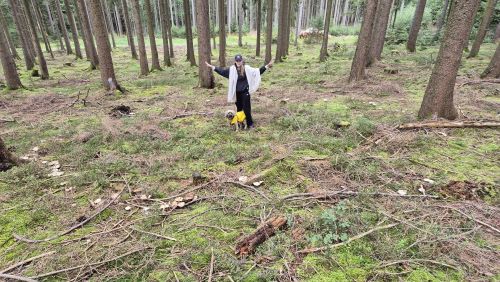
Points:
point(7, 160)
point(248, 244)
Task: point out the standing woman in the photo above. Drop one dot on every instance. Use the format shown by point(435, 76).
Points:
point(243, 81)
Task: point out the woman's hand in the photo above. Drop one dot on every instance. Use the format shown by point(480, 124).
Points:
point(209, 65)
point(270, 64)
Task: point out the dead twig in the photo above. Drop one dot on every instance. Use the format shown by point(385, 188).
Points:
point(26, 261)
point(344, 193)
point(76, 226)
point(471, 218)
point(357, 237)
point(248, 188)
point(7, 120)
point(450, 124)
point(152, 234)
point(16, 277)
point(190, 114)
point(418, 260)
point(480, 81)
point(212, 260)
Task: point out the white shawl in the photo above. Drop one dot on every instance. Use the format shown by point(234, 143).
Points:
point(253, 78)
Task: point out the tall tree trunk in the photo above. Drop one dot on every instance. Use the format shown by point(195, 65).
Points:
point(229, 15)
point(240, 23)
point(379, 31)
point(259, 24)
point(43, 30)
point(281, 32)
point(222, 32)
point(106, 68)
point(169, 28)
point(118, 19)
point(438, 98)
point(298, 26)
point(493, 69)
point(83, 35)
point(128, 26)
point(56, 27)
point(324, 47)
point(87, 31)
point(44, 72)
point(203, 28)
point(365, 34)
point(189, 33)
point(49, 15)
point(193, 13)
point(143, 59)
point(497, 33)
point(10, 43)
point(441, 19)
point(62, 27)
point(164, 29)
point(155, 65)
point(7, 59)
point(23, 35)
point(415, 25)
point(269, 30)
point(74, 29)
point(108, 22)
point(483, 28)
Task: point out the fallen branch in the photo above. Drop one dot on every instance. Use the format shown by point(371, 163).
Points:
point(344, 194)
point(212, 261)
point(418, 260)
point(359, 236)
point(76, 226)
point(26, 261)
point(190, 114)
point(18, 278)
point(492, 81)
point(248, 244)
point(471, 218)
point(88, 265)
point(152, 234)
point(7, 120)
point(249, 188)
point(450, 124)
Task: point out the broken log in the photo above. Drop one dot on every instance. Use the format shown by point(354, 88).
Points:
point(248, 244)
point(450, 124)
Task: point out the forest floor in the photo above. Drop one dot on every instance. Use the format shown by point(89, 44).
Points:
point(415, 205)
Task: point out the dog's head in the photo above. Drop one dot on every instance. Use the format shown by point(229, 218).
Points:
point(230, 114)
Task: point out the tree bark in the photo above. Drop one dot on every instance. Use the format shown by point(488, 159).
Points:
point(62, 27)
point(240, 23)
point(379, 31)
point(438, 98)
point(415, 25)
point(74, 29)
point(189, 33)
point(248, 244)
point(43, 30)
point(88, 37)
point(164, 28)
point(497, 33)
point(155, 64)
point(118, 19)
point(298, 26)
point(269, 30)
point(10, 43)
point(259, 24)
point(441, 19)
point(493, 69)
point(8, 64)
point(203, 28)
point(222, 33)
point(108, 22)
point(106, 68)
point(44, 72)
point(23, 36)
point(281, 31)
point(128, 26)
point(169, 28)
point(324, 47)
point(143, 59)
point(365, 34)
point(483, 28)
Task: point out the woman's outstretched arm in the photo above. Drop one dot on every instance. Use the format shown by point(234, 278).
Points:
point(264, 68)
point(223, 72)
